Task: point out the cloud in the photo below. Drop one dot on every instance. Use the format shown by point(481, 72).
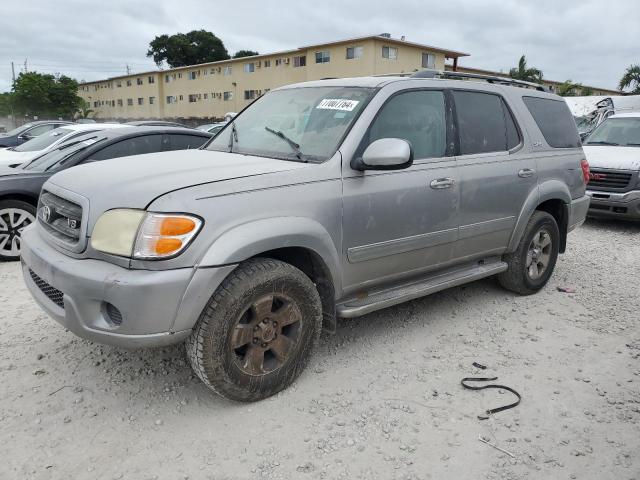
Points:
point(584, 41)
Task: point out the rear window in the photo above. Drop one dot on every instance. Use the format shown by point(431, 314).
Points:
point(554, 121)
point(485, 124)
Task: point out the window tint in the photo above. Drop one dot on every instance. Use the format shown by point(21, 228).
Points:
point(185, 142)
point(418, 117)
point(554, 121)
point(484, 123)
point(40, 129)
point(130, 146)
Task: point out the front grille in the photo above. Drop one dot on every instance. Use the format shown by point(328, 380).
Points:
point(60, 217)
point(601, 179)
point(52, 293)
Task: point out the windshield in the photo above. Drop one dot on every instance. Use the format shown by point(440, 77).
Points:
point(43, 141)
point(19, 130)
point(617, 131)
point(305, 124)
point(586, 123)
point(56, 158)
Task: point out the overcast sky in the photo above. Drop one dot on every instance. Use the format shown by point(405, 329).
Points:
point(589, 41)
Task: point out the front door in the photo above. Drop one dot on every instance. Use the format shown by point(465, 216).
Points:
point(401, 222)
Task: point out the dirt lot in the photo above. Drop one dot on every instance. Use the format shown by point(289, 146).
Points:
point(380, 400)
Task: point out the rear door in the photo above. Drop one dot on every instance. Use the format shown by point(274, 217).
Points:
point(496, 173)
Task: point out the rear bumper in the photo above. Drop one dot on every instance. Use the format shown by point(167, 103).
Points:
point(615, 205)
point(153, 308)
point(578, 212)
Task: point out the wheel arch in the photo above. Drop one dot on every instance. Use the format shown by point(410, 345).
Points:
point(21, 196)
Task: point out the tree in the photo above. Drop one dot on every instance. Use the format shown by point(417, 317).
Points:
point(84, 110)
point(522, 72)
point(569, 89)
point(631, 80)
point(586, 91)
point(197, 46)
point(244, 53)
point(45, 95)
point(6, 100)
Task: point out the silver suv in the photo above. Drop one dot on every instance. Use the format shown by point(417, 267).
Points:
point(325, 199)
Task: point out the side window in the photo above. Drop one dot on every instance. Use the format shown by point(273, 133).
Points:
point(129, 146)
point(554, 120)
point(185, 142)
point(39, 130)
point(416, 116)
point(484, 123)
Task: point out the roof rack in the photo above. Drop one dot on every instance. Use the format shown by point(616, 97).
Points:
point(470, 76)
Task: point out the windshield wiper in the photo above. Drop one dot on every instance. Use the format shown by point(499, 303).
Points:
point(233, 137)
point(602, 142)
point(294, 146)
point(633, 144)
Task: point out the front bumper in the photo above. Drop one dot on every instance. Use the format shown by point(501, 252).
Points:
point(109, 304)
point(615, 205)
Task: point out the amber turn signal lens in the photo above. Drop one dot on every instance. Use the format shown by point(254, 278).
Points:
point(165, 246)
point(173, 226)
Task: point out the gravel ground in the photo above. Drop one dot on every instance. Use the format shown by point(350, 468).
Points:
point(381, 398)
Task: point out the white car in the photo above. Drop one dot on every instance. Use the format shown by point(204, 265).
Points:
point(15, 156)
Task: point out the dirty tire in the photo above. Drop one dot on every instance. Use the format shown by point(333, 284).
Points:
point(517, 277)
point(210, 348)
point(23, 214)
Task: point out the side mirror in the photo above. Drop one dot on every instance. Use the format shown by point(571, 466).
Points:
point(385, 154)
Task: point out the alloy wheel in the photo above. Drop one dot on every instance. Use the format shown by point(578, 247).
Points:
point(12, 223)
point(539, 254)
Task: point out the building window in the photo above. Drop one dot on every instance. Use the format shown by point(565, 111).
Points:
point(227, 70)
point(267, 63)
point(228, 96)
point(278, 62)
point(139, 81)
point(96, 104)
point(193, 98)
point(118, 84)
point(251, 94)
point(167, 78)
point(249, 67)
point(205, 72)
point(206, 95)
point(193, 75)
point(171, 99)
point(428, 60)
point(130, 102)
point(179, 75)
point(128, 83)
point(152, 100)
point(213, 71)
point(300, 61)
point(151, 79)
point(120, 102)
point(140, 101)
point(353, 53)
point(323, 57)
point(181, 98)
point(390, 52)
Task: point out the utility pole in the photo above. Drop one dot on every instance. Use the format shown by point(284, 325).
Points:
point(25, 65)
point(13, 72)
point(128, 69)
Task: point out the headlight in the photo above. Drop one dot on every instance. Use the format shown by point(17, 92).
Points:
point(144, 235)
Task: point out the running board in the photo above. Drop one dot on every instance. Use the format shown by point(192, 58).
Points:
point(416, 289)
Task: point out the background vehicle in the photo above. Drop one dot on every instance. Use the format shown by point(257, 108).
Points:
point(15, 156)
point(589, 112)
point(155, 123)
point(613, 152)
point(28, 131)
point(20, 187)
point(369, 192)
point(212, 127)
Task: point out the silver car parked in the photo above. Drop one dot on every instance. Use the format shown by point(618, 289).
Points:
point(321, 200)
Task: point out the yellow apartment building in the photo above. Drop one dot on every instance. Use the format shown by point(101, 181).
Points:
point(209, 90)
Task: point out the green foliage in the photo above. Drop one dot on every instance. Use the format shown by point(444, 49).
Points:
point(522, 72)
point(84, 110)
point(197, 46)
point(569, 89)
point(5, 104)
point(587, 91)
point(45, 95)
point(244, 53)
point(631, 80)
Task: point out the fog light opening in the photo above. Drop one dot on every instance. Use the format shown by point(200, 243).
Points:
point(112, 314)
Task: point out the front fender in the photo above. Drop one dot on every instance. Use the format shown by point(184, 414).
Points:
point(253, 238)
point(548, 190)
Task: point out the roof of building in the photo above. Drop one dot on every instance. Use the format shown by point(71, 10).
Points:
point(395, 41)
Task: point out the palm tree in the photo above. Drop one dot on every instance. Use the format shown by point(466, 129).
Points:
point(84, 111)
point(527, 74)
point(631, 79)
point(569, 89)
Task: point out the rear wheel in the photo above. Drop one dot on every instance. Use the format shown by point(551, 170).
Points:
point(532, 264)
point(258, 331)
point(15, 215)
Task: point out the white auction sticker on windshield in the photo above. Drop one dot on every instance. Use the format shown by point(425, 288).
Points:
point(338, 104)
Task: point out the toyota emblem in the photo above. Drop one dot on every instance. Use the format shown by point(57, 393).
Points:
point(45, 213)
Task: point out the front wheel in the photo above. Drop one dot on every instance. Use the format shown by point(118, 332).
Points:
point(531, 265)
point(15, 215)
point(257, 333)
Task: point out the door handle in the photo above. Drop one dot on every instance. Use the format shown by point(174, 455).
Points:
point(526, 172)
point(440, 183)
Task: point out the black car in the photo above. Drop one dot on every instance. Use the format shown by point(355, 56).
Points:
point(26, 132)
point(155, 123)
point(20, 187)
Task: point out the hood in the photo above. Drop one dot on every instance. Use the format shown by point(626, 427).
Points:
point(610, 156)
point(134, 182)
point(10, 157)
point(11, 172)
